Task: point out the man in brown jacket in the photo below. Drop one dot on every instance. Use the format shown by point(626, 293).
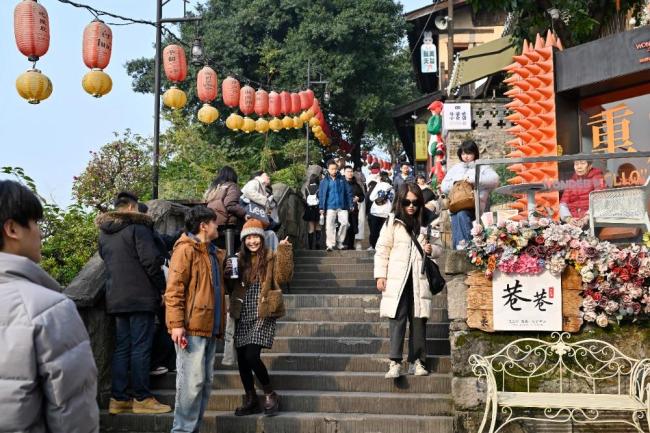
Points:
point(196, 313)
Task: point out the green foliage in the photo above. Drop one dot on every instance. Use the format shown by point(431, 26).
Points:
point(580, 20)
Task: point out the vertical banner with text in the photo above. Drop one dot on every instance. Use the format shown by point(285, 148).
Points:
point(421, 141)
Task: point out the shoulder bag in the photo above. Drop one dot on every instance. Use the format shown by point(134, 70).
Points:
point(436, 281)
point(461, 196)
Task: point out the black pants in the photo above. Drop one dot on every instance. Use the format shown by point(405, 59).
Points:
point(249, 362)
point(163, 353)
point(353, 229)
point(417, 329)
point(375, 224)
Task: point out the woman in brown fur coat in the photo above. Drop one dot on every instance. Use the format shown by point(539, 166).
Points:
point(255, 304)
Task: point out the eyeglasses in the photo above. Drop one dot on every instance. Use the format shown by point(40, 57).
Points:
point(406, 202)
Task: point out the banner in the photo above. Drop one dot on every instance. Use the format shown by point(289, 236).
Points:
point(421, 140)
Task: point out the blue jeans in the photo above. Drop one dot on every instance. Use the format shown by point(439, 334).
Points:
point(195, 369)
point(133, 338)
point(461, 226)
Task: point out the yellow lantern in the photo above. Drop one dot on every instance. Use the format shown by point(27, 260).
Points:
point(316, 130)
point(275, 124)
point(248, 125)
point(307, 115)
point(287, 122)
point(262, 125)
point(234, 122)
point(33, 86)
point(208, 114)
point(97, 83)
point(314, 122)
point(174, 98)
point(297, 123)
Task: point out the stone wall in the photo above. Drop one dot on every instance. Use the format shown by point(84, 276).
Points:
point(469, 394)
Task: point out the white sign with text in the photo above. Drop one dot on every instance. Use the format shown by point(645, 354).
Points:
point(457, 116)
point(527, 302)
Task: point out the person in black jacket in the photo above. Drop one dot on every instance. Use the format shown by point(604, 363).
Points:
point(353, 217)
point(133, 295)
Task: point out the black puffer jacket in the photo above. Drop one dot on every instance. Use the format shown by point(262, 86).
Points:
point(128, 247)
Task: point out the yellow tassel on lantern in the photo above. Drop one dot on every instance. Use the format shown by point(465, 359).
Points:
point(248, 125)
point(262, 125)
point(275, 124)
point(97, 83)
point(33, 86)
point(234, 122)
point(208, 114)
point(174, 98)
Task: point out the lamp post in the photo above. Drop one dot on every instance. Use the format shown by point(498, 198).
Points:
point(156, 122)
point(326, 98)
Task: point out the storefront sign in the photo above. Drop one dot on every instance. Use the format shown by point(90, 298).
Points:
point(643, 46)
point(428, 55)
point(610, 130)
point(421, 142)
point(457, 116)
point(527, 302)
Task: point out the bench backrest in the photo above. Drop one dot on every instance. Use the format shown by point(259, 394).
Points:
point(593, 366)
point(620, 207)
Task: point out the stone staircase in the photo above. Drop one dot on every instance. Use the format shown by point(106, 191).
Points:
point(328, 364)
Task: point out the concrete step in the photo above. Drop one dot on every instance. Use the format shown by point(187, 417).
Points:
point(307, 290)
point(284, 422)
point(349, 329)
point(359, 274)
point(368, 363)
point(332, 268)
point(333, 401)
point(344, 345)
point(335, 253)
point(334, 283)
point(328, 381)
point(334, 260)
point(346, 301)
point(354, 314)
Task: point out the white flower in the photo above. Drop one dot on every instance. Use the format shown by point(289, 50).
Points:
point(602, 321)
point(589, 316)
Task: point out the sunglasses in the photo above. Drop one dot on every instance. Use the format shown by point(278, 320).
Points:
point(406, 202)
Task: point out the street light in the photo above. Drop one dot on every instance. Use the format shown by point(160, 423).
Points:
point(326, 99)
point(198, 55)
point(156, 127)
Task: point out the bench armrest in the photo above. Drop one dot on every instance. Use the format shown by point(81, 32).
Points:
point(482, 368)
point(640, 380)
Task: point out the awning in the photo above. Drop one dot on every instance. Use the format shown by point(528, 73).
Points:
point(482, 61)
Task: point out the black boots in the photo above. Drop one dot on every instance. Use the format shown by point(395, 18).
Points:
point(310, 240)
point(251, 405)
point(271, 401)
point(317, 246)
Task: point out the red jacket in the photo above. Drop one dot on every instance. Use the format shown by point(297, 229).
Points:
point(576, 197)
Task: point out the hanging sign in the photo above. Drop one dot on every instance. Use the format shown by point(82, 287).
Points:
point(523, 302)
point(421, 142)
point(457, 116)
point(428, 55)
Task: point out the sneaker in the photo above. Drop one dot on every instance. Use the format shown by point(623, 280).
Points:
point(370, 249)
point(159, 371)
point(342, 247)
point(417, 369)
point(150, 405)
point(358, 246)
point(394, 370)
point(329, 249)
point(120, 406)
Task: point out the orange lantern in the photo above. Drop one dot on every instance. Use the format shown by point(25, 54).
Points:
point(230, 91)
point(97, 45)
point(287, 122)
point(295, 103)
point(306, 99)
point(207, 84)
point(275, 124)
point(275, 106)
point(31, 29)
point(285, 102)
point(174, 63)
point(247, 101)
point(261, 102)
point(33, 86)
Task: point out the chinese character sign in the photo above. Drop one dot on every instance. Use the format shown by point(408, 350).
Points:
point(428, 55)
point(421, 142)
point(527, 302)
point(611, 130)
point(458, 116)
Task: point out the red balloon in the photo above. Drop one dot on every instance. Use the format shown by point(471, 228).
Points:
point(261, 102)
point(97, 45)
point(230, 91)
point(207, 86)
point(174, 63)
point(31, 29)
point(275, 106)
point(247, 100)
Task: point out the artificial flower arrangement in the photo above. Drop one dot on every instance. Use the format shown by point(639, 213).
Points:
point(615, 281)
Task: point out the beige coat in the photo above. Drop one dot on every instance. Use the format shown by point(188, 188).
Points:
point(395, 257)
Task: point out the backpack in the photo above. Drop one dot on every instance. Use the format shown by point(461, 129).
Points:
point(312, 197)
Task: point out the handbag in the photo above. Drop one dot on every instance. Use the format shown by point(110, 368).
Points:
point(461, 196)
point(256, 211)
point(434, 277)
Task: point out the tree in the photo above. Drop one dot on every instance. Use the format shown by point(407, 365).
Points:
point(123, 164)
point(580, 20)
point(353, 44)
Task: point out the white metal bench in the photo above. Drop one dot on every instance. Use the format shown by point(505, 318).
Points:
point(620, 207)
point(569, 381)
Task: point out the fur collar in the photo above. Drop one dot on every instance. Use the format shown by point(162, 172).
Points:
point(112, 222)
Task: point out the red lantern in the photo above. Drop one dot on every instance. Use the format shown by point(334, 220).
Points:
point(230, 91)
point(247, 100)
point(326, 129)
point(370, 159)
point(97, 45)
point(306, 99)
point(295, 103)
point(207, 84)
point(285, 102)
point(320, 118)
point(174, 63)
point(31, 29)
point(275, 106)
point(315, 107)
point(261, 102)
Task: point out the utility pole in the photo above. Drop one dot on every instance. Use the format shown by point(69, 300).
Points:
point(450, 39)
point(325, 99)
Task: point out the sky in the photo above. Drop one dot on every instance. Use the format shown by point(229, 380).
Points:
point(52, 141)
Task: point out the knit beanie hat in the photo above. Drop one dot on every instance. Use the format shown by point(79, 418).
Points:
point(252, 227)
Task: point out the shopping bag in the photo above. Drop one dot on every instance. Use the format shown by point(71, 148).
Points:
point(229, 357)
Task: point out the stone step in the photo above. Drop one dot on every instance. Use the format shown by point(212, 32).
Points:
point(346, 301)
point(333, 401)
point(344, 345)
point(328, 381)
point(349, 329)
point(333, 283)
point(359, 275)
point(306, 290)
point(334, 260)
point(335, 253)
point(367, 363)
point(354, 314)
point(342, 269)
point(284, 422)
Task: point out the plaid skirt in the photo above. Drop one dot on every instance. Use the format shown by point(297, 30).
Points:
point(250, 329)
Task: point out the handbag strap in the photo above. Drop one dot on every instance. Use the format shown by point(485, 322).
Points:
point(419, 247)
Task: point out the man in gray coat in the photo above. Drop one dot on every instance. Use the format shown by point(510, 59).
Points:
point(48, 378)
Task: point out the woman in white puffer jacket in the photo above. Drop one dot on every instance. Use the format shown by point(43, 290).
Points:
point(405, 289)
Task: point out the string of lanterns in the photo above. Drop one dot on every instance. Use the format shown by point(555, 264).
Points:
point(383, 164)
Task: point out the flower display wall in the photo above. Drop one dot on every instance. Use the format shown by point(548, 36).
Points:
point(615, 280)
